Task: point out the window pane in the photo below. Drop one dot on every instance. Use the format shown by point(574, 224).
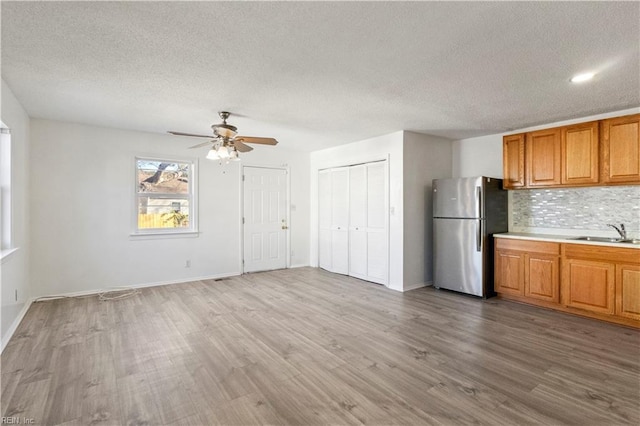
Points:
point(156, 213)
point(165, 177)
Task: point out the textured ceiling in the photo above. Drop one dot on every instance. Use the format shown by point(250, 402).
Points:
point(316, 74)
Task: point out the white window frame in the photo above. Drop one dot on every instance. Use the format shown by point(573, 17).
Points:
point(6, 202)
point(192, 198)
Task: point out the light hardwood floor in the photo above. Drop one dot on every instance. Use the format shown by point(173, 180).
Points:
point(304, 346)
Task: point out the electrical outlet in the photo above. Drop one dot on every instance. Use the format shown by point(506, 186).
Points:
point(532, 222)
point(292, 253)
point(187, 264)
point(16, 294)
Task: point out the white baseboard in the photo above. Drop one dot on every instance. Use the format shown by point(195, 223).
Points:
point(418, 285)
point(151, 284)
point(300, 265)
point(15, 324)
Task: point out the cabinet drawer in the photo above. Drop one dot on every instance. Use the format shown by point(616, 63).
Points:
point(603, 253)
point(528, 246)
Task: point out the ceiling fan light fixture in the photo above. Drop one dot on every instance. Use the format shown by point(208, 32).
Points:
point(233, 155)
point(213, 154)
point(227, 145)
point(223, 152)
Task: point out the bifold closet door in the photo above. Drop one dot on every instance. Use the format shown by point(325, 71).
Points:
point(358, 221)
point(333, 200)
point(368, 240)
point(377, 235)
point(353, 236)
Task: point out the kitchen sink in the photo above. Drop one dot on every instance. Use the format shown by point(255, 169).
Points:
point(608, 240)
point(599, 239)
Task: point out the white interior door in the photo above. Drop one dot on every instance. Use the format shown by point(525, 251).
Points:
point(265, 219)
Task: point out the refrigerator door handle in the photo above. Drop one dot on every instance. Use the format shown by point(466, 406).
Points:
point(479, 235)
point(479, 201)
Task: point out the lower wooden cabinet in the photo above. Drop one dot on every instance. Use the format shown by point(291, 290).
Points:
point(588, 285)
point(542, 274)
point(527, 268)
point(597, 281)
point(627, 294)
point(509, 272)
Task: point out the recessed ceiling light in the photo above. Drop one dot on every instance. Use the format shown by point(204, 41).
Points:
point(582, 77)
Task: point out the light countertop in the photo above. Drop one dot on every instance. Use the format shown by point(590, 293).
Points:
point(561, 239)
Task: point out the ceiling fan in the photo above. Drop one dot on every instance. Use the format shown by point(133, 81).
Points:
point(226, 142)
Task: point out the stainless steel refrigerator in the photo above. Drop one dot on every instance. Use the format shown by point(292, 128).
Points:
point(466, 213)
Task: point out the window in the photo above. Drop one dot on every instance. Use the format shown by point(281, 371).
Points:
point(5, 189)
point(165, 201)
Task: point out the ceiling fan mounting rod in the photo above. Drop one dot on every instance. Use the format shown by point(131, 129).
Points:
point(224, 115)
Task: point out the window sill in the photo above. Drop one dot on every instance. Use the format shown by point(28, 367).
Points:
point(163, 235)
point(5, 254)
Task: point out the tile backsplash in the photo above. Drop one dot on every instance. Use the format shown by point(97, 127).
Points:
point(578, 208)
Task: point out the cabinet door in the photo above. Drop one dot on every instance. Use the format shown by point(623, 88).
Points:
point(580, 154)
point(542, 277)
point(543, 155)
point(509, 272)
point(621, 149)
point(513, 161)
point(628, 291)
point(588, 285)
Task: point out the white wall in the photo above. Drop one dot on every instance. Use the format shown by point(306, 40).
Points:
point(378, 148)
point(425, 158)
point(480, 156)
point(82, 201)
point(14, 270)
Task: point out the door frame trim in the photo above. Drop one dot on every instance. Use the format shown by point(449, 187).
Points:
point(287, 238)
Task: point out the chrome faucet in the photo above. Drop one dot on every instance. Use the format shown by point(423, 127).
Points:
point(621, 230)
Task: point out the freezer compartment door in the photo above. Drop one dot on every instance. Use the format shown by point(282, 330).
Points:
point(458, 252)
point(458, 197)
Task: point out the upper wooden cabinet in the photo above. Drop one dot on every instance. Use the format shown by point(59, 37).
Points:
point(605, 152)
point(621, 149)
point(513, 161)
point(580, 154)
point(543, 157)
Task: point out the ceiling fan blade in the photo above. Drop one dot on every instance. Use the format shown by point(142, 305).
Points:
point(200, 145)
point(254, 139)
point(191, 134)
point(241, 146)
